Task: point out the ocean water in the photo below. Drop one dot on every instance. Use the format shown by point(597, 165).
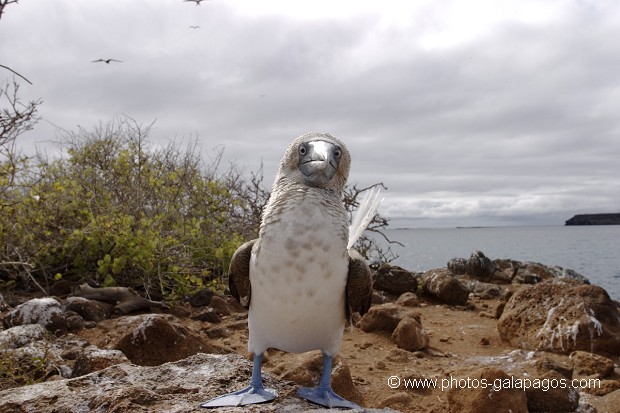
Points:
point(592, 251)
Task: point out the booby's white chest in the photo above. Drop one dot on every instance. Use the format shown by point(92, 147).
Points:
point(298, 273)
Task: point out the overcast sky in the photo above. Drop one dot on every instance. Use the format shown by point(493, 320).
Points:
point(470, 112)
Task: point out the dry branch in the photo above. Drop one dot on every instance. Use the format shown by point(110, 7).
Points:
point(125, 299)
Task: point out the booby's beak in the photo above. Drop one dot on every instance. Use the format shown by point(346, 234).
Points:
point(318, 161)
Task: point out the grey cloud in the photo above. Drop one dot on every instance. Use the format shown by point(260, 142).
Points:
point(518, 122)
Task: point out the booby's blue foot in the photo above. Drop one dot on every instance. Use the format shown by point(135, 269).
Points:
point(253, 394)
point(323, 393)
point(249, 395)
point(325, 397)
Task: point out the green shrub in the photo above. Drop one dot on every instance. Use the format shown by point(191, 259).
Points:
point(117, 212)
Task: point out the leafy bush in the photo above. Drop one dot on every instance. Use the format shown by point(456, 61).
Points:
point(118, 212)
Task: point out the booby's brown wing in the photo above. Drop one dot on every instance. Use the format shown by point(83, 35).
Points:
point(239, 274)
point(359, 285)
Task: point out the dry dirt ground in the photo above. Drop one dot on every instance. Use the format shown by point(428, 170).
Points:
point(462, 340)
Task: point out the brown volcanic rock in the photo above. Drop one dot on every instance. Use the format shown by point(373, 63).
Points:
point(552, 395)
point(394, 280)
point(409, 335)
point(93, 359)
point(480, 266)
point(89, 310)
point(155, 339)
point(441, 285)
point(562, 316)
point(476, 394)
point(385, 317)
point(408, 299)
point(608, 403)
point(458, 266)
point(591, 365)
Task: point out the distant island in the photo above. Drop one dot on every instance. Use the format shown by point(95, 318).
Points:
point(595, 219)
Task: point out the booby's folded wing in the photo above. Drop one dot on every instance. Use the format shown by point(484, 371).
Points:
point(359, 285)
point(239, 274)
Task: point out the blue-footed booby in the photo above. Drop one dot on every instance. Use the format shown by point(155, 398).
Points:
point(300, 278)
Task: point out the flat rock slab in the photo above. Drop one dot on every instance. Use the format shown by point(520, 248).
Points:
point(171, 387)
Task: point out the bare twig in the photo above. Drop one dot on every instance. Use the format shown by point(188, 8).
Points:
point(16, 263)
point(8, 68)
point(26, 267)
point(3, 4)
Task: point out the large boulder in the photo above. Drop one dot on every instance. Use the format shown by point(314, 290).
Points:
point(385, 317)
point(408, 300)
point(550, 395)
point(441, 285)
point(44, 311)
point(94, 359)
point(89, 310)
point(409, 335)
point(528, 272)
point(586, 364)
point(171, 387)
point(403, 323)
point(479, 393)
point(394, 280)
point(154, 339)
point(484, 290)
point(20, 336)
point(458, 266)
point(608, 403)
point(562, 316)
point(480, 266)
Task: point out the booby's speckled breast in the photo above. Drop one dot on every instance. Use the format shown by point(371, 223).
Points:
point(298, 273)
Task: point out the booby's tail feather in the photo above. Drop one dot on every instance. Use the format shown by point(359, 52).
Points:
point(364, 214)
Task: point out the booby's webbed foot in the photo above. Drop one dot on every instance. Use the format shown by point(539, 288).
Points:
point(253, 394)
point(249, 395)
point(323, 393)
point(325, 397)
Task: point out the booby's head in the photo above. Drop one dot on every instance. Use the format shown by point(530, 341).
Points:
point(318, 160)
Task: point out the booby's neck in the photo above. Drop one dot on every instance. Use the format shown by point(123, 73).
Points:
point(284, 184)
point(288, 195)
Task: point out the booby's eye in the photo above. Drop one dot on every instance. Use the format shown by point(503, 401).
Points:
point(338, 153)
point(302, 150)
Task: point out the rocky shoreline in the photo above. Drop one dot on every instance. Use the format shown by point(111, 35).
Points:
point(478, 335)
